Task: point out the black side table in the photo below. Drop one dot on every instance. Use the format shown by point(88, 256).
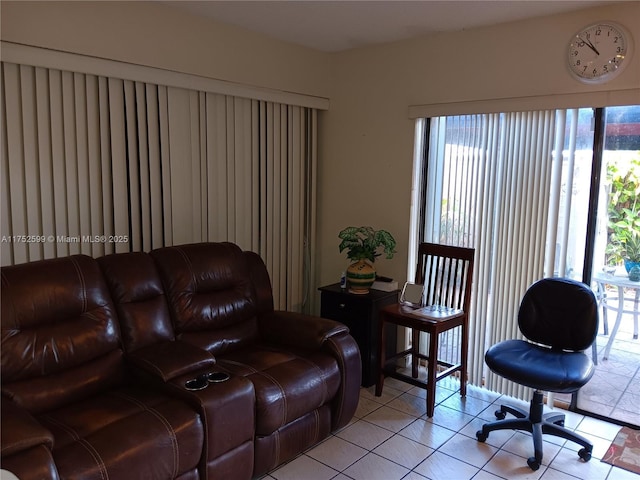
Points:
point(361, 314)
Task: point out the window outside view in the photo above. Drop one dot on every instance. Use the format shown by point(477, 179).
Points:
point(614, 391)
point(503, 158)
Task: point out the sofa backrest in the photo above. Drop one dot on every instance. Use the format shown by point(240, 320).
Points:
point(139, 299)
point(60, 338)
point(211, 295)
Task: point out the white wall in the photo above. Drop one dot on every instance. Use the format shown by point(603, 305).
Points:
point(152, 34)
point(366, 136)
point(367, 139)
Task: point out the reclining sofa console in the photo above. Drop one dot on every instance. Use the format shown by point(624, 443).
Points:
point(171, 364)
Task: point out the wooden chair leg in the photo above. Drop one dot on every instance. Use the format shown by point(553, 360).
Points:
point(415, 349)
point(432, 370)
point(463, 360)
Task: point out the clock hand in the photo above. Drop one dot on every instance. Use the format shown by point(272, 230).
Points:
point(589, 44)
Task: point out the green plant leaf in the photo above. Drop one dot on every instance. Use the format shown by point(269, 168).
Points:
point(362, 243)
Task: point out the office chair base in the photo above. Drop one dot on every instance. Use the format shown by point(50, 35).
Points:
point(537, 424)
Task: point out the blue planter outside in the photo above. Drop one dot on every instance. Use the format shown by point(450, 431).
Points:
point(628, 265)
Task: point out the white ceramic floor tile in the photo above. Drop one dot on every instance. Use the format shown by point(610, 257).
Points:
point(337, 453)
point(482, 394)
point(513, 467)
point(600, 445)
point(388, 441)
point(366, 406)
point(403, 451)
point(389, 418)
point(496, 438)
point(304, 467)
point(414, 476)
point(414, 406)
point(450, 418)
point(467, 404)
point(620, 474)
point(374, 467)
point(440, 466)
point(468, 450)
point(571, 419)
point(365, 434)
point(388, 394)
point(598, 428)
point(397, 384)
point(482, 475)
point(568, 462)
point(427, 433)
point(551, 474)
point(521, 444)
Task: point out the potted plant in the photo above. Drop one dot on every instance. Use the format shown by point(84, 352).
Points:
point(362, 245)
point(631, 251)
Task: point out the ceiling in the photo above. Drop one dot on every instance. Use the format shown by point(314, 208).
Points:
point(333, 26)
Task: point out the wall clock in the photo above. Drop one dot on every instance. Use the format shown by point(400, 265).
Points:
point(599, 52)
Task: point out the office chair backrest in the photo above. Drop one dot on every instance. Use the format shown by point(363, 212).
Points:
point(560, 313)
point(446, 273)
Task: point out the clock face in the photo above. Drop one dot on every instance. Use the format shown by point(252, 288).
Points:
point(599, 52)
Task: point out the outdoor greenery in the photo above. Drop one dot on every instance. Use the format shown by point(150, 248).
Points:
point(624, 212)
point(362, 243)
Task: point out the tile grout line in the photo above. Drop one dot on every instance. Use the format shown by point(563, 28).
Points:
point(474, 417)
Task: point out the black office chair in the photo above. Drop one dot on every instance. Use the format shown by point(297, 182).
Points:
point(560, 318)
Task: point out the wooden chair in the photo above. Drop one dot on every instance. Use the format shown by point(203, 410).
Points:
point(446, 273)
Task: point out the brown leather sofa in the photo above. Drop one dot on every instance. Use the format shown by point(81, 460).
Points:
point(96, 353)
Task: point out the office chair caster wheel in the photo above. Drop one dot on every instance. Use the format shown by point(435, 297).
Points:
point(533, 463)
point(500, 415)
point(482, 437)
point(584, 454)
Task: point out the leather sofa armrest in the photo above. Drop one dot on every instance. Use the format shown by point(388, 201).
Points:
point(168, 360)
point(20, 430)
point(298, 329)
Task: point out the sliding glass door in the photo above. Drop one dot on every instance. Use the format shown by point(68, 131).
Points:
point(614, 391)
point(529, 191)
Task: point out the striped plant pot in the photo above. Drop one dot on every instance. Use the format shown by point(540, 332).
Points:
point(360, 277)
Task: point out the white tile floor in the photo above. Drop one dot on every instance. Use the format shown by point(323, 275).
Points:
point(390, 438)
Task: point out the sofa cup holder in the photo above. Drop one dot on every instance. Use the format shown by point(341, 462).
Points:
point(202, 381)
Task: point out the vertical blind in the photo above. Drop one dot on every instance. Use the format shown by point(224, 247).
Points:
point(98, 165)
point(496, 182)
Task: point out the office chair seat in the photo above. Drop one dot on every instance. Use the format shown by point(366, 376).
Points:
point(559, 317)
point(540, 367)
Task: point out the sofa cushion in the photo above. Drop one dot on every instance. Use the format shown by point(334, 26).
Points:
point(210, 293)
point(139, 299)
point(288, 384)
point(59, 316)
point(125, 433)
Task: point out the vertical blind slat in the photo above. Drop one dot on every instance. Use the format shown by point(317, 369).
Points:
point(505, 175)
point(142, 133)
point(71, 159)
point(45, 161)
point(6, 252)
point(16, 164)
point(165, 165)
point(96, 219)
point(82, 150)
point(31, 167)
point(119, 163)
point(156, 223)
point(88, 157)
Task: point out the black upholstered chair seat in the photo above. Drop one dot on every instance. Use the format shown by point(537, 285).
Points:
point(559, 318)
point(540, 367)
